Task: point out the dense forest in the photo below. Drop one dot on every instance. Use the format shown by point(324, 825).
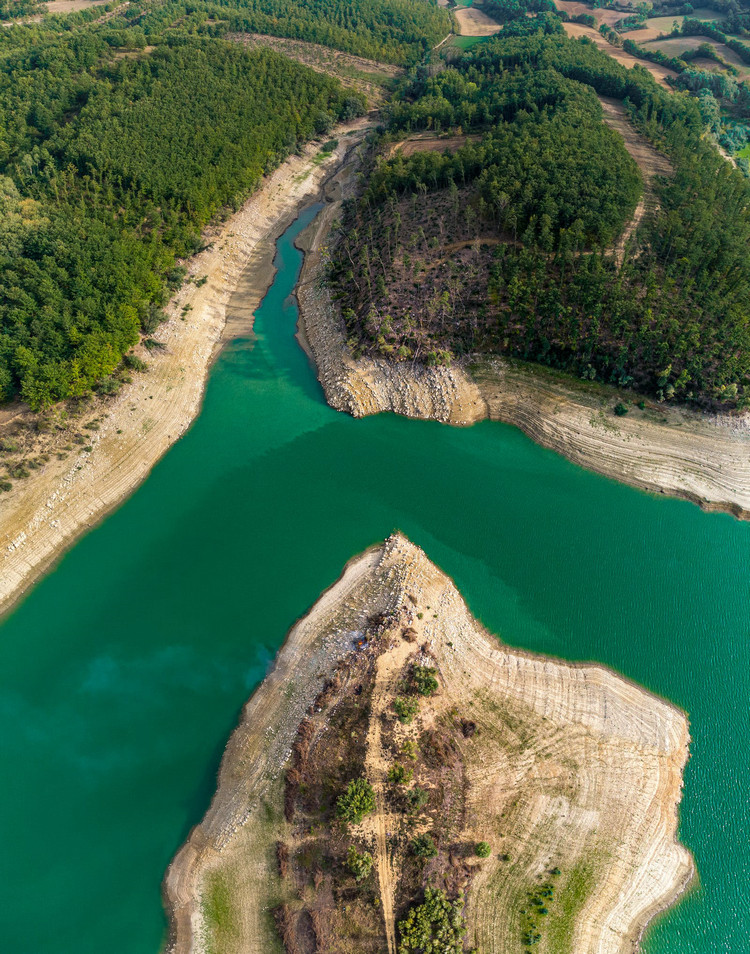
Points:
point(109, 169)
point(506, 243)
point(123, 130)
point(393, 31)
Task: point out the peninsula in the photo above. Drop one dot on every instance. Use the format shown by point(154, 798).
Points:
point(400, 771)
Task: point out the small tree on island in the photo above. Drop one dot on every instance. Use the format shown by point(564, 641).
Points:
point(424, 846)
point(423, 680)
point(357, 801)
point(360, 865)
point(406, 709)
point(398, 775)
point(435, 925)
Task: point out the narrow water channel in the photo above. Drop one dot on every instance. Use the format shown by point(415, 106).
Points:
point(123, 672)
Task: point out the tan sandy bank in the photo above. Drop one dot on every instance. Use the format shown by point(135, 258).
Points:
point(699, 457)
point(566, 771)
point(45, 513)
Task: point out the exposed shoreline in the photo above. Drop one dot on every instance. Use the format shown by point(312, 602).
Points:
point(45, 514)
point(633, 735)
point(701, 458)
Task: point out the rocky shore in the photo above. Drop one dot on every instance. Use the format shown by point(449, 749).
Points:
point(568, 766)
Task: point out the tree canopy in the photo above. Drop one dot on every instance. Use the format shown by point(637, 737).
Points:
point(507, 243)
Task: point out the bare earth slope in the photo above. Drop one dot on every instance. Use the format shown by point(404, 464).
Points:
point(699, 457)
point(55, 504)
point(568, 769)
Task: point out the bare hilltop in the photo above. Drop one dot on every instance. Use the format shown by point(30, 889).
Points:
point(402, 775)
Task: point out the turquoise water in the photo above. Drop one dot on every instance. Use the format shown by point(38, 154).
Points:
point(124, 671)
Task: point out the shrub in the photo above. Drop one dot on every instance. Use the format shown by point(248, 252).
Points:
point(5, 485)
point(435, 925)
point(620, 409)
point(406, 709)
point(398, 775)
point(357, 801)
point(108, 385)
point(416, 798)
point(483, 849)
point(409, 749)
point(360, 865)
point(423, 679)
point(135, 363)
point(423, 846)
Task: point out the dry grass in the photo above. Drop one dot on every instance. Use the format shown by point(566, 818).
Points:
point(473, 22)
point(427, 143)
point(71, 6)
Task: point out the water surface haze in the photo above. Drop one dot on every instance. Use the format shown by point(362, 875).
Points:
point(124, 671)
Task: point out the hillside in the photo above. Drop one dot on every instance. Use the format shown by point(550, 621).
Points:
point(124, 131)
point(400, 773)
point(527, 244)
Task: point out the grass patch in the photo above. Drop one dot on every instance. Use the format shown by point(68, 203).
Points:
point(219, 914)
point(572, 893)
point(466, 42)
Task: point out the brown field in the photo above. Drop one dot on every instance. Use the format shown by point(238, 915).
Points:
point(72, 6)
point(575, 8)
point(426, 143)
point(679, 44)
point(472, 22)
point(660, 73)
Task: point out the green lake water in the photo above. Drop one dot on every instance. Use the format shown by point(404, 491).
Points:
point(124, 671)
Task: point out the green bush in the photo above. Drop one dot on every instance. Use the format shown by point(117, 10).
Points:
point(357, 801)
point(620, 409)
point(424, 681)
point(360, 865)
point(406, 709)
point(416, 798)
point(436, 925)
point(482, 849)
point(423, 846)
point(135, 363)
point(398, 775)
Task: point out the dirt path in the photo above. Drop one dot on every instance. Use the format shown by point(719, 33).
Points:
point(376, 768)
point(650, 161)
point(45, 513)
point(367, 76)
